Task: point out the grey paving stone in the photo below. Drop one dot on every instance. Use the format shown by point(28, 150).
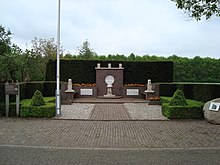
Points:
point(109, 112)
point(109, 134)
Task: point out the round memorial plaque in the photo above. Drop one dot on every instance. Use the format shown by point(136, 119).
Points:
point(109, 80)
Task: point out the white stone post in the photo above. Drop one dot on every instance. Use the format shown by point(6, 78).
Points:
point(120, 65)
point(98, 65)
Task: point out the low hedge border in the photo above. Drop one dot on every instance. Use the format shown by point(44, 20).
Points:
point(192, 111)
point(38, 111)
point(47, 110)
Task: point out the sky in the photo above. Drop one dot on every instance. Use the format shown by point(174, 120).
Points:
point(154, 27)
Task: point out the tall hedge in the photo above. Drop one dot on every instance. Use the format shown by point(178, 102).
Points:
point(27, 90)
point(83, 71)
point(31, 87)
point(2, 93)
point(197, 91)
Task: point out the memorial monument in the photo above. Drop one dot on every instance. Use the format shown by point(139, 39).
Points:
point(109, 81)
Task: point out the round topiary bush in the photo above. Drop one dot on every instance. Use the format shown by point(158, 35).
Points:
point(178, 99)
point(37, 99)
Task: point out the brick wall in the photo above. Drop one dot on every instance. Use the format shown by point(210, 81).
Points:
point(101, 74)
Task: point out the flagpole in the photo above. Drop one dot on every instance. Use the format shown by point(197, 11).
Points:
point(58, 100)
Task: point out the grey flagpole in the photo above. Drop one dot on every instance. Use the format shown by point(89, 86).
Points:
point(58, 100)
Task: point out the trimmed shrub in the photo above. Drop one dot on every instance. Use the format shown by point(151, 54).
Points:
point(191, 111)
point(182, 112)
point(37, 99)
point(47, 110)
point(178, 99)
point(38, 111)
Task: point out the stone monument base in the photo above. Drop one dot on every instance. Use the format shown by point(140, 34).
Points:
point(109, 97)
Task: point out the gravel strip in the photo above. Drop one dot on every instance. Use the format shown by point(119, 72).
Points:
point(76, 111)
point(144, 111)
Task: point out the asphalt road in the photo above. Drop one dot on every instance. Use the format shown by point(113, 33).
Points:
point(27, 155)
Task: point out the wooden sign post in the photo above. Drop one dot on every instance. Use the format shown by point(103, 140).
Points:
point(12, 89)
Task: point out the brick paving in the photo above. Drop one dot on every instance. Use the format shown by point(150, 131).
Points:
point(109, 134)
point(109, 112)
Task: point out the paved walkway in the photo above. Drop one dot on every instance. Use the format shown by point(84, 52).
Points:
point(126, 128)
point(109, 134)
point(109, 112)
point(106, 111)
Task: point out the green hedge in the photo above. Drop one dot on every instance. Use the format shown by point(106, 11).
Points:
point(192, 111)
point(196, 91)
point(27, 90)
point(2, 93)
point(31, 87)
point(49, 88)
point(12, 109)
point(47, 110)
point(83, 71)
point(38, 111)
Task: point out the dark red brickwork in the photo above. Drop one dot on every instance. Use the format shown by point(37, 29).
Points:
point(101, 74)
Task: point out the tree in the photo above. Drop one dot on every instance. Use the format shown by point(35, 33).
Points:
point(45, 49)
point(199, 8)
point(31, 66)
point(10, 57)
point(5, 40)
point(5, 48)
point(9, 63)
point(85, 51)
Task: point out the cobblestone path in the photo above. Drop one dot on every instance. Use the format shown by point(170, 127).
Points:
point(109, 134)
point(109, 112)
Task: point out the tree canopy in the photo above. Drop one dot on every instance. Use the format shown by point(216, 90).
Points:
point(30, 65)
point(199, 8)
point(5, 40)
point(85, 51)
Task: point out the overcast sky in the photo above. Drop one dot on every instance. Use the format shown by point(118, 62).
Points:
point(141, 27)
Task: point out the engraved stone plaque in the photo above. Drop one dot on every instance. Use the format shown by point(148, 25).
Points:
point(87, 92)
point(132, 92)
